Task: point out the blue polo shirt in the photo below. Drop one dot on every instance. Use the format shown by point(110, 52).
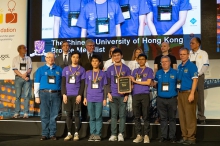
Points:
point(130, 27)
point(177, 6)
point(42, 74)
point(168, 77)
point(186, 74)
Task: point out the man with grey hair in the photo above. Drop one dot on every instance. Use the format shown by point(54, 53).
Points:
point(22, 67)
point(47, 91)
point(166, 79)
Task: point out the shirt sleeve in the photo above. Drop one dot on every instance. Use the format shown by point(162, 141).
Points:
point(37, 76)
point(143, 7)
point(193, 71)
point(56, 9)
point(205, 59)
point(108, 73)
point(15, 64)
point(128, 72)
point(150, 74)
point(87, 78)
point(83, 74)
point(82, 19)
point(156, 77)
point(64, 72)
point(29, 63)
point(150, 6)
point(104, 79)
point(119, 18)
point(185, 5)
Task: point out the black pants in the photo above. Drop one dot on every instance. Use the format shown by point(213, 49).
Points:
point(167, 108)
point(141, 106)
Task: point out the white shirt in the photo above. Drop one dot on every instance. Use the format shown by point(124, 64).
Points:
point(134, 64)
point(201, 58)
point(110, 63)
point(16, 63)
point(67, 55)
point(89, 54)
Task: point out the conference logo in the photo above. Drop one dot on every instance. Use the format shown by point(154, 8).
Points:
point(6, 68)
point(9, 17)
point(4, 56)
point(193, 20)
point(39, 48)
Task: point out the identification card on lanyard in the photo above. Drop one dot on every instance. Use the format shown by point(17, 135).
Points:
point(23, 66)
point(165, 87)
point(95, 81)
point(72, 79)
point(95, 84)
point(178, 85)
point(116, 77)
point(51, 79)
point(102, 26)
point(126, 11)
point(164, 13)
point(139, 77)
point(72, 18)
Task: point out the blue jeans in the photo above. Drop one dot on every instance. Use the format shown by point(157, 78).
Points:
point(49, 107)
point(95, 113)
point(118, 107)
point(26, 85)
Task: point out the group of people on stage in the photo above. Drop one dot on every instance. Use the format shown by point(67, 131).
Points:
point(81, 78)
point(110, 18)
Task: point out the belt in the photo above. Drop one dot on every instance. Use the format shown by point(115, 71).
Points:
point(167, 97)
point(20, 77)
point(185, 91)
point(51, 91)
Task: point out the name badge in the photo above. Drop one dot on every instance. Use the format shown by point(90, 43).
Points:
point(72, 18)
point(95, 85)
point(72, 80)
point(126, 11)
point(51, 79)
point(165, 87)
point(178, 85)
point(116, 79)
point(164, 13)
point(102, 26)
point(23, 67)
point(139, 78)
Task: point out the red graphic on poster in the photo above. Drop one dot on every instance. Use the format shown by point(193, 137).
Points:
point(11, 17)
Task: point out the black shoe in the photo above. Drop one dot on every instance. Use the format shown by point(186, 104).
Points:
point(202, 122)
point(53, 138)
point(181, 141)
point(162, 139)
point(173, 140)
point(43, 138)
point(189, 142)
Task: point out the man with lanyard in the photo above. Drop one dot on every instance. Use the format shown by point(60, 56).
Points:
point(167, 17)
point(187, 78)
point(66, 13)
point(100, 18)
point(47, 91)
point(201, 59)
point(22, 67)
point(166, 79)
point(73, 83)
point(141, 78)
point(134, 12)
point(117, 101)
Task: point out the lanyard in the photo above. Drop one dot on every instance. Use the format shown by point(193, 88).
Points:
point(163, 0)
point(118, 74)
point(95, 79)
point(75, 71)
point(168, 77)
point(97, 12)
point(141, 71)
point(181, 73)
point(71, 5)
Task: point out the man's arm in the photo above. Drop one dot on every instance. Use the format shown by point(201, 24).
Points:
point(151, 24)
point(141, 25)
point(178, 24)
point(56, 27)
point(193, 89)
point(155, 68)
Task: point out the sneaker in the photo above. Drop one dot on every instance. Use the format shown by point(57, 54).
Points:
point(138, 139)
point(146, 139)
point(112, 138)
point(25, 116)
point(97, 138)
point(76, 137)
point(120, 137)
point(91, 137)
point(16, 115)
point(68, 137)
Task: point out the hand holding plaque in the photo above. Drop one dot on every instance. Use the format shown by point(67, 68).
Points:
point(124, 85)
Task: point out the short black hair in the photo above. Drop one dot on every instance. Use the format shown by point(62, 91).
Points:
point(198, 40)
point(117, 50)
point(96, 57)
point(142, 55)
point(76, 52)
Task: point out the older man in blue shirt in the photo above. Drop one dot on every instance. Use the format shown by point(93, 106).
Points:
point(47, 90)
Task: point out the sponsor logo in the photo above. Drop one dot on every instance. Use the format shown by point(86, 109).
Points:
point(193, 20)
point(6, 68)
point(4, 56)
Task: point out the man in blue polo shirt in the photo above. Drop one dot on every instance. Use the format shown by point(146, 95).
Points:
point(134, 12)
point(47, 86)
point(167, 99)
point(100, 18)
point(167, 17)
point(66, 13)
point(187, 78)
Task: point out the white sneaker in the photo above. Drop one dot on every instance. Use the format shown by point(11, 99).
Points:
point(16, 115)
point(76, 137)
point(25, 116)
point(120, 137)
point(146, 139)
point(138, 139)
point(112, 138)
point(68, 137)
